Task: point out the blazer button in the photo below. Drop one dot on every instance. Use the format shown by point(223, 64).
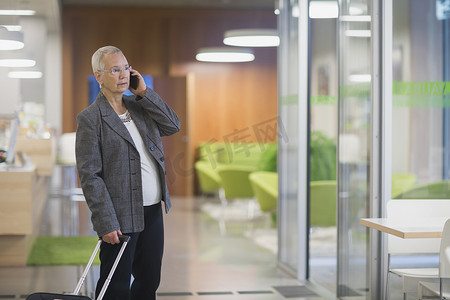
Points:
point(152, 148)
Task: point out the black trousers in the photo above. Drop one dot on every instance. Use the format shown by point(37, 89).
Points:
point(142, 258)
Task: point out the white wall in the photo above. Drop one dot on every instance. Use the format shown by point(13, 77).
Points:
point(46, 48)
point(9, 93)
point(53, 84)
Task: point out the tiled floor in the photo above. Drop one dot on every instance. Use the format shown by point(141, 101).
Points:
point(199, 262)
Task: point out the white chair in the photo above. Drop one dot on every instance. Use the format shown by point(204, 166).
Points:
point(428, 289)
point(410, 209)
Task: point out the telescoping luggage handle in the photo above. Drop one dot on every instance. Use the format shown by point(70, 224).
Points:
point(124, 239)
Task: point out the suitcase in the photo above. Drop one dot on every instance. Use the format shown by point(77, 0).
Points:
point(74, 296)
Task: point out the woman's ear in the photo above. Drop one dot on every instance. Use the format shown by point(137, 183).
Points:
point(98, 76)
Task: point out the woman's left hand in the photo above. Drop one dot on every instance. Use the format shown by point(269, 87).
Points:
point(141, 87)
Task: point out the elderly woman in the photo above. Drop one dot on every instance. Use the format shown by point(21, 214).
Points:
point(120, 162)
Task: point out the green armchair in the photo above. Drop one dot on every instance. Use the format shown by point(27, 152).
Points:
point(323, 203)
point(402, 182)
point(434, 190)
point(265, 188)
point(235, 180)
point(209, 180)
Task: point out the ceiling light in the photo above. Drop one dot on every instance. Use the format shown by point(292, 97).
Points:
point(295, 11)
point(17, 12)
point(29, 74)
point(17, 62)
point(225, 54)
point(358, 33)
point(16, 59)
point(13, 27)
point(10, 40)
point(276, 9)
point(252, 38)
point(323, 9)
point(357, 9)
point(351, 18)
point(11, 23)
point(360, 78)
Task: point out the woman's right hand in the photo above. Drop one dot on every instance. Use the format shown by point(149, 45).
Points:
point(112, 237)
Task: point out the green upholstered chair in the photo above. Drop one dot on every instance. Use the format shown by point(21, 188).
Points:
point(247, 154)
point(235, 183)
point(208, 177)
point(323, 203)
point(265, 188)
point(434, 190)
point(402, 183)
point(235, 180)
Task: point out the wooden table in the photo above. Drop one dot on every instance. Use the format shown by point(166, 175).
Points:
point(407, 228)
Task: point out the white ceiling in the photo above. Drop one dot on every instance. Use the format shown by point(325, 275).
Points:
point(179, 3)
point(51, 9)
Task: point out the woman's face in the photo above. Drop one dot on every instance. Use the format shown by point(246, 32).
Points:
point(114, 82)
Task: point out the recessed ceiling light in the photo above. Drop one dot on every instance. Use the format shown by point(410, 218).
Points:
point(224, 54)
point(252, 38)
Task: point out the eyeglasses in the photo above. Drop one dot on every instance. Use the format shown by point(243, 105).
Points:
point(115, 71)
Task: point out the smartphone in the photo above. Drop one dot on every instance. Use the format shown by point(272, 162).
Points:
point(134, 81)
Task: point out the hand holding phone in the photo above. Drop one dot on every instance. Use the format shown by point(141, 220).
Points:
point(134, 81)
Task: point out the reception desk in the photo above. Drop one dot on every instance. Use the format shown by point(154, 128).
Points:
point(40, 151)
point(23, 194)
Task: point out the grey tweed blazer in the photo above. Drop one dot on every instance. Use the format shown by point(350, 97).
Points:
point(108, 162)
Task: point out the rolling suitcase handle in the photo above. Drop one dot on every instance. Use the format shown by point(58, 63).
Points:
point(124, 239)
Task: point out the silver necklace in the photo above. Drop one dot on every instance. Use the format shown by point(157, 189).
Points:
point(126, 117)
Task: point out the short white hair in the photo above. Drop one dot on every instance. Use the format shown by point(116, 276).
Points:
point(97, 57)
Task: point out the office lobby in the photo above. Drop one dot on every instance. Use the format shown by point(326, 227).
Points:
point(285, 160)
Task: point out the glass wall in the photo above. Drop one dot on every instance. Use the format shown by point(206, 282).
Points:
point(322, 149)
point(288, 234)
point(355, 102)
point(420, 106)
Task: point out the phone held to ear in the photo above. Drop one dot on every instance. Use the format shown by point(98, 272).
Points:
point(134, 81)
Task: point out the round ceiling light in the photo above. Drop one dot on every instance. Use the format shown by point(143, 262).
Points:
point(16, 59)
point(224, 54)
point(10, 40)
point(17, 62)
point(252, 38)
point(25, 74)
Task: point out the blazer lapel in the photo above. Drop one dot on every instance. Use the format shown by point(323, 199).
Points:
point(112, 119)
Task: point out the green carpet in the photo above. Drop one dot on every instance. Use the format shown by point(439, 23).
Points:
point(58, 250)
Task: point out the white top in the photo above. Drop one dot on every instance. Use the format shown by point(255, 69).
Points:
point(151, 187)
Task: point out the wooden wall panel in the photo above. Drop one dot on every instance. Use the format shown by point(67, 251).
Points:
point(177, 148)
point(226, 98)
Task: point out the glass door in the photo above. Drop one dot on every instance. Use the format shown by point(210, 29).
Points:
point(288, 157)
point(322, 143)
point(354, 144)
